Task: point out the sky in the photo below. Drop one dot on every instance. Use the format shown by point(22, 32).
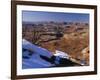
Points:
point(38, 16)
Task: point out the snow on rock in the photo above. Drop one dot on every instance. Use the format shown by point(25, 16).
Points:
point(61, 54)
point(35, 48)
point(31, 56)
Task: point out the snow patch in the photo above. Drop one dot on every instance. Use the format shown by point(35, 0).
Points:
point(61, 54)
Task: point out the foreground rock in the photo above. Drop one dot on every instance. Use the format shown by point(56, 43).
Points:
point(34, 56)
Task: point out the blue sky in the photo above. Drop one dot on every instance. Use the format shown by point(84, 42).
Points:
point(37, 16)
